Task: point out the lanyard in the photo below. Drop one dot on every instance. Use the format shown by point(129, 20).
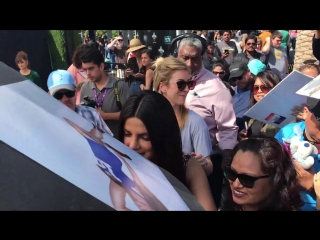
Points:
point(99, 103)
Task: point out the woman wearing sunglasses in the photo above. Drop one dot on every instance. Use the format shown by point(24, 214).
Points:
point(262, 177)
point(173, 80)
point(264, 82)
point(148, 126)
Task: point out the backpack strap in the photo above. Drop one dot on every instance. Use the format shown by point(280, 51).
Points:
point(116, 92)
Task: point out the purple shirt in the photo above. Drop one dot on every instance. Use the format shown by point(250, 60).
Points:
point(213, 102)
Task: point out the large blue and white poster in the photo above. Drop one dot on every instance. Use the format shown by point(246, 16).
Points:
point(42, 128)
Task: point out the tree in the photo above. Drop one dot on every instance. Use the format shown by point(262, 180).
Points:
point(115, 33)
point(303, 47)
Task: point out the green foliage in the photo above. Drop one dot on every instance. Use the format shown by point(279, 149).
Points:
point(57, 46)
point(115, 33)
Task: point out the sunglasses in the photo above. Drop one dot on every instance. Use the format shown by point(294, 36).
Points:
point(120, 40)
point(252, 44)
point(216, 73)
point(237, 78)
point(245, 180)
point(68, 94)
point(182, 84)
point(265, 89)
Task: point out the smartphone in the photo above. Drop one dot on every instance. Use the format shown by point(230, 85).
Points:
point(226, 51)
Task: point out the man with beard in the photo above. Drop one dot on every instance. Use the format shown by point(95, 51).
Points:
point(102, 88)
point(213, 101)
point(249, 53)
point(241, 77)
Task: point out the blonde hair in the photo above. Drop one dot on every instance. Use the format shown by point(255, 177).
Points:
point(163, 70)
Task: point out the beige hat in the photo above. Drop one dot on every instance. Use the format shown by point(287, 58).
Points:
point(135, 45)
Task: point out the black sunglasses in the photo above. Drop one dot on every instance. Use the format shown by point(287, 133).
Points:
point(245, 180)
point(237, 78)
point(182, 84)
point(68, 94)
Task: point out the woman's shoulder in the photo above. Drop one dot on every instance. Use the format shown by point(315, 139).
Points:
point(195, 119)
point(34, 73)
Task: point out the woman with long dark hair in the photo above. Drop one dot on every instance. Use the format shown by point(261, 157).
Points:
point(148, 125)
point(264, 82)
point(262, 177)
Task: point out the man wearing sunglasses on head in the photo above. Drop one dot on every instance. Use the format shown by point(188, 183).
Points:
point(118, 47)
point(61, 85)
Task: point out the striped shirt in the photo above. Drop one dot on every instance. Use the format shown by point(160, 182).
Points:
point(93, 116)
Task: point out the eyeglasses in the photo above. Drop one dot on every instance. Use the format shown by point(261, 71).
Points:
point(216, 73)
point(248, 44)
point(265, 89)
point(68, 94)
point(245, 180)
point(182, 84)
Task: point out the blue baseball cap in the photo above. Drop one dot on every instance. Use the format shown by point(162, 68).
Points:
point(60, 79)
point(256, 66)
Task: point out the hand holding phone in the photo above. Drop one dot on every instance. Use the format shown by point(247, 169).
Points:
point(225, 54)
point(129, 72)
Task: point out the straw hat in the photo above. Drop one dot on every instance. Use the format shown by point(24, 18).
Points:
point(135, 45)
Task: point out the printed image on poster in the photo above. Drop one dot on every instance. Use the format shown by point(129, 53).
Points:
point(277, 119)
point(145, 38)
point(312, 89)
point(278, 113)
point(69, 146)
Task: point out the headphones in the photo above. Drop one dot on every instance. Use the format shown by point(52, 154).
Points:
point(174, 50)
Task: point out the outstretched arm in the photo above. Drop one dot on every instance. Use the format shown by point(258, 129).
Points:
point(198, 185)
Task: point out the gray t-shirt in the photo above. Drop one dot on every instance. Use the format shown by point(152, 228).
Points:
point(223, 45)
point(109, 104)
point(277, 60)
point(195, 136)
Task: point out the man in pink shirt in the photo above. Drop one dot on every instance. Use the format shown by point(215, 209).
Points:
point(213, 101)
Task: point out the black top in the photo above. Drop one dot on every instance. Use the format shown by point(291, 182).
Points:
point(133, 65)
point(316, 47)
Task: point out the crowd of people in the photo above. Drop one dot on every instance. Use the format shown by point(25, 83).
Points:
point(186, 113)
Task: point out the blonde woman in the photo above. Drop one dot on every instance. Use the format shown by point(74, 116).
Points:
point(172, 79)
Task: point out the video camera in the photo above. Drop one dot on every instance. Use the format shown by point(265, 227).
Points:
point(89, 102)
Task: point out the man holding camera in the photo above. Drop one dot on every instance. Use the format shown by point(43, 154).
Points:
point(108, 93)
point(62, 87)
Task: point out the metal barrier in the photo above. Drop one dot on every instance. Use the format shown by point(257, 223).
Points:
point(291, 67)
point(117, 72)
